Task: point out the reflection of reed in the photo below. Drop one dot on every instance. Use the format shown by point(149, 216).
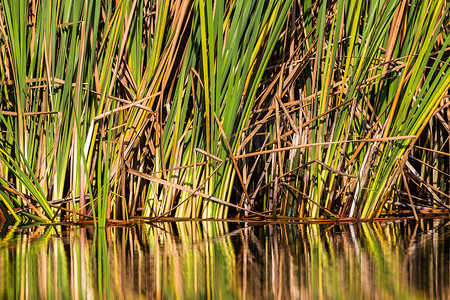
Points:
point(207, 260)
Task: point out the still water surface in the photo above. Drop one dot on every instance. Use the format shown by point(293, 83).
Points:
point(213, 260)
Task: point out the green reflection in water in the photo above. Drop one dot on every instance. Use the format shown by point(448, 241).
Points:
point(211, 260)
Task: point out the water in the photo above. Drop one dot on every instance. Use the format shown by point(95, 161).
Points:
point(201, 260)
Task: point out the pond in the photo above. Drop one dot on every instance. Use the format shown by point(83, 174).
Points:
point(218, 260)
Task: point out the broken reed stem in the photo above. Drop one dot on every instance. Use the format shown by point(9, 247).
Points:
point(309, 199)
point(185, 189)
point(386, 139)
point(196, 189)
point(409, 195)
point(292, 148)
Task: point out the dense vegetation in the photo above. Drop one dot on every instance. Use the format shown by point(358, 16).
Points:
point(306, 109)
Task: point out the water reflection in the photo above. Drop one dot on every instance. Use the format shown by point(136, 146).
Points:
point(204, 260)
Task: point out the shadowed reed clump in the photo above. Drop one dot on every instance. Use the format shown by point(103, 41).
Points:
point(311, 109)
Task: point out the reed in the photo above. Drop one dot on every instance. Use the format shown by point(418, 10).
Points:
point(200, 109)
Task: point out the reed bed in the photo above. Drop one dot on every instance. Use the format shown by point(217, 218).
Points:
point(211, 109)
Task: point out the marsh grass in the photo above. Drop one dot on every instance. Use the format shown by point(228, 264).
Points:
point(200, 109)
